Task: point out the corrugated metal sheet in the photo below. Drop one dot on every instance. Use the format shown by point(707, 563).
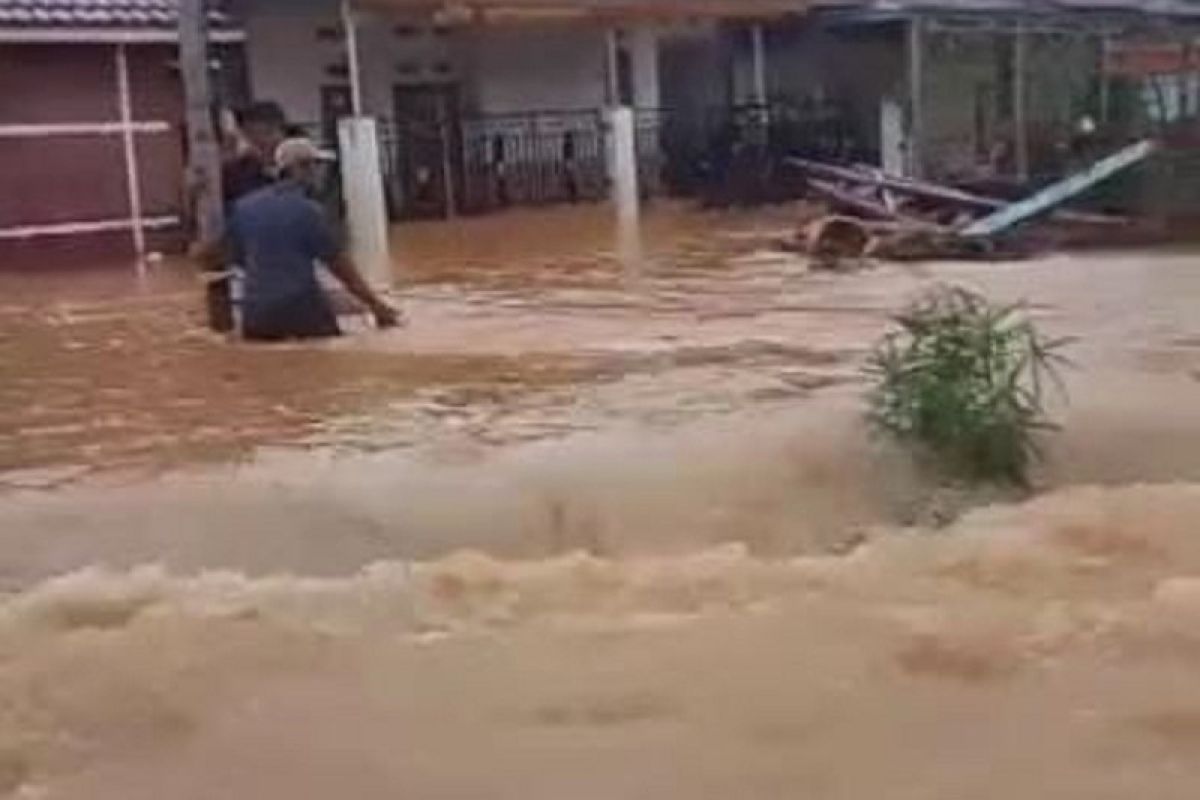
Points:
point(93, 14)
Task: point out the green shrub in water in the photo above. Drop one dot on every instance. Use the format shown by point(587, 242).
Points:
point(961, 383)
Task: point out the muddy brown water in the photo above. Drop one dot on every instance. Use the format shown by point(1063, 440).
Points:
point(587, 530)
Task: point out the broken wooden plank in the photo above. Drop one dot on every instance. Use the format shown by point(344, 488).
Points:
point(932, 191)
point(1058, 193)
point(868, 209)
point(848, 201)
point(884, 180)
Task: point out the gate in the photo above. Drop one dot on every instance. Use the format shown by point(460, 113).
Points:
point(533, 159)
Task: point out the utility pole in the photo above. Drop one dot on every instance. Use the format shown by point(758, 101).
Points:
point(204, 156)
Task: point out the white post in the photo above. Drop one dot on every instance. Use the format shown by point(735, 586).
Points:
point(132, 174)
point(891, 135)
point(353, 63)
point(366, 209)
point(624, 169)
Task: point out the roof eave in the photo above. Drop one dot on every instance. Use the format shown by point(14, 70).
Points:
point(69, 35)
point(483, 9)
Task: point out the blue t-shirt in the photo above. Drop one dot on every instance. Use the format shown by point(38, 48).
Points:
point(278, 235)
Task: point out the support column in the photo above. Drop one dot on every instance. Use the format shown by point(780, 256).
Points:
point(916, 98)
point(353, 60)
point(612, 81)
point(204, 155)
point(626, 197)
point(362, 171)
point(133, 181)
point(1105, 84)
point(366, 208)
point(625, 194)
point(1019, 101)
point(759, 56)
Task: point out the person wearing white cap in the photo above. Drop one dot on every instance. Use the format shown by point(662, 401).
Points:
point(279, 235)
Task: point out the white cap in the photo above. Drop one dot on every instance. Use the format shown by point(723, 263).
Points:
point(293, 152)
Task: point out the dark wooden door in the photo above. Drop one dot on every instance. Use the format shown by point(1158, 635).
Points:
point(428, 150)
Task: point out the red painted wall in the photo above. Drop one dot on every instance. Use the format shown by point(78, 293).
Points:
point(80, 178)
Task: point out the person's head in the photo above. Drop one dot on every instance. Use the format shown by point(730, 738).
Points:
point(301, 161)
point(264, 125)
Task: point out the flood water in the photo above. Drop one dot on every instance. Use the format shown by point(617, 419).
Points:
point(589, 527)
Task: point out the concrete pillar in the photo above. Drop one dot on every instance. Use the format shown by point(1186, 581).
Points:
point(366, 209)
point(353, 57)
point(612, 81)
point(625, 195)
point(758, 51)
point(891, 135)
point(1105, 82)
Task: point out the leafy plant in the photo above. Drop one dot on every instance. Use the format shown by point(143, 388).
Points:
point(962, 382)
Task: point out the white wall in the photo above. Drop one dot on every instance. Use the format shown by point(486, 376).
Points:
point(548, 66)
point(286, 61)
point(289, 63)
point(390, 59)
point(502, 68)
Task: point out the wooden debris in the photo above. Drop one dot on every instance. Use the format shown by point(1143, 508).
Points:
point(832, 241)
point(886, 216)
point(932, 192)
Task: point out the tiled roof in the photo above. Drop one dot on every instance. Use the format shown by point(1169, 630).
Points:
point(88, 14)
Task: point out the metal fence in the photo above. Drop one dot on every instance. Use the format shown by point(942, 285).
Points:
point(477, 164)
point(736, 154)
point(533, 159)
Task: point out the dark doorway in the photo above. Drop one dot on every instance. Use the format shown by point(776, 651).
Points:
point(428, 151)
point(336, 103)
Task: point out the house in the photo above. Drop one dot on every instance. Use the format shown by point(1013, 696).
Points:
point(494, 103)
point(484, 104)
point(958, 89)
point(481, 104)
point(91, 145)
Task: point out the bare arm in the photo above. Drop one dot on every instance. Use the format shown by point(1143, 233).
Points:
point(347, 272)
point(328, 250)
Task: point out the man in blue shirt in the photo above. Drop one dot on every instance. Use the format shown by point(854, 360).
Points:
point(279, 235)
